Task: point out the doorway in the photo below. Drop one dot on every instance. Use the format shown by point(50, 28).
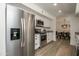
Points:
point(62, 28)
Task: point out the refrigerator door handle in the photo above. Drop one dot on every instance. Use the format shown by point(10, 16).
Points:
point(22, 34)
point(23, 45)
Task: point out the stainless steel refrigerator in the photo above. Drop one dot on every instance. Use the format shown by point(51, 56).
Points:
point(19, 32)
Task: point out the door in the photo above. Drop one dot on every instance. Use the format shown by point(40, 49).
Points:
point(13, 42)
point(28, 29)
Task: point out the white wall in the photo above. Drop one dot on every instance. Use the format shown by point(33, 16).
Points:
point(60, 21)
point(74, 21)
point(2, 30)
point(77, 8)
point(54, 29)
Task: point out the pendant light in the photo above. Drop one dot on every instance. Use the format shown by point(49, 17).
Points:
point(64, 26)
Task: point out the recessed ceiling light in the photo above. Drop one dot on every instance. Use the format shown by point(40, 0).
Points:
point(55, 4)
point(59, 11)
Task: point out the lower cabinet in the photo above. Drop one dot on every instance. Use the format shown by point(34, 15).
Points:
point(37, 41)
point(49, 37)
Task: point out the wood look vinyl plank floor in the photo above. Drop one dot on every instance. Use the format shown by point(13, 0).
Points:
point(59, 48)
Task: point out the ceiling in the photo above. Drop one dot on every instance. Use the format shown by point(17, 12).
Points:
point(67, 8)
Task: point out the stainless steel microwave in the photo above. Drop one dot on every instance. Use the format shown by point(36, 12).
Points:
point(39, 23)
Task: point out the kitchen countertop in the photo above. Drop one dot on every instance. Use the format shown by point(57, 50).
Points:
point(50, 31)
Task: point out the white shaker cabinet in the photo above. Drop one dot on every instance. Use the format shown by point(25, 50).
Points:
point(37, 41)
point(49, 37)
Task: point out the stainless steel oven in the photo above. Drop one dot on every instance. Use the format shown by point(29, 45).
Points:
point(43, 38)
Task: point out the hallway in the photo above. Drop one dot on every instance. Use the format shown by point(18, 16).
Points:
point(58, 48)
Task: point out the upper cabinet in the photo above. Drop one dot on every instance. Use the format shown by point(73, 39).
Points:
point(77, 9)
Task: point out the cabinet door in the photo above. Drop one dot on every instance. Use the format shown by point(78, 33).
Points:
point(49, 37)
point(37, 41)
